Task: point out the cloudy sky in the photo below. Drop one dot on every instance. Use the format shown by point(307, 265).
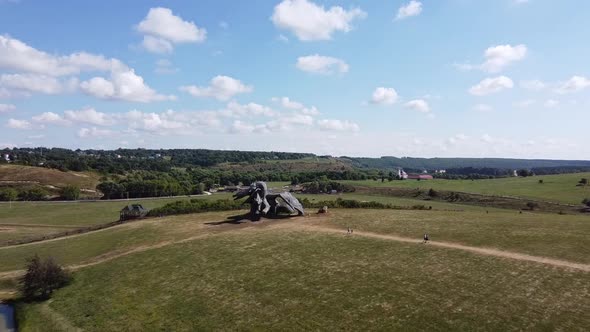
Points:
point(448, 78)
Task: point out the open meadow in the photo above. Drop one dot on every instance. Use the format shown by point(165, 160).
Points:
point(499, 270)
point(560, 188)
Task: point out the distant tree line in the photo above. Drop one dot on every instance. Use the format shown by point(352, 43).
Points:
point(316, 187)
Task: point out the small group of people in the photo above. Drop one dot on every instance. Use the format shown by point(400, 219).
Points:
point(350, 230)
point(426, 238)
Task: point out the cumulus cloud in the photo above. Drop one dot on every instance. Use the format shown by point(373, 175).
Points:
point(123, 85)
point(162, 29)
point(18, 56)
point(235, 109)
point(51, 118)
point(285, 102)
point(4, 108)
point(154, 122)
point(498, 57)
point(33, 83)
point(491, 85)
point(90, 116)
point(320, 64)
point(338, 125)
point(574, 84)
point(39, 72)
point(419, 105)
point(309, 21)
point(221, 88)
point(94, 133)
point(19, 124)
point(384, 96)
point(412, 8)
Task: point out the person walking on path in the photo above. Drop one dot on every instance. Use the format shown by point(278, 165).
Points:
point(426, 238)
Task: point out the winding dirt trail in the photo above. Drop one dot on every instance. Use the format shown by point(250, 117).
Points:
point(476, 250)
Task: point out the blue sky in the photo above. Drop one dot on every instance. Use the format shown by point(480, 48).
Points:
point(464, 78)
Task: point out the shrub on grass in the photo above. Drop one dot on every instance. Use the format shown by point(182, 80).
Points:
point(70, 193)
point(8, 194)
point(43, 276)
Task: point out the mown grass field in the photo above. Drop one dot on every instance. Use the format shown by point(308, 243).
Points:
point(23, 220)
point(555, 188)
point(182, 274)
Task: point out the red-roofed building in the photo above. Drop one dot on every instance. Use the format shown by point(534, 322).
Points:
point(419, 177)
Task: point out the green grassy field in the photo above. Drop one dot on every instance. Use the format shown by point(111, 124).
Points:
point(293, 275)
point(22, 220)
point(556, 188)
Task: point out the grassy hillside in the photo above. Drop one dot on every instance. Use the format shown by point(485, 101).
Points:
point(297, 275)
point(557, 188)
point(47, 176)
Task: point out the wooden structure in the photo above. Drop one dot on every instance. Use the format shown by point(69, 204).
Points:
point(132, 211)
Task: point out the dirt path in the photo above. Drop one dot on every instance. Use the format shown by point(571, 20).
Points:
point(477, 250)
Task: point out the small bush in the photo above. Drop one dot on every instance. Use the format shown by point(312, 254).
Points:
point(586, 201)
point(70, 193)
point(8, 194)
point(42, 278)
point(432, 193)
point(532, 205)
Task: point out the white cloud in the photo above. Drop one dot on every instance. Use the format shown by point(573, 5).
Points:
point(235, 109)
point(18, 56)
point(285, 102)
point(123, 85)
point(419, 105)
point(491, 85)
point(338, 125)
point(574, 84)
point(551, 103)
point(309, 21)
point(320, 64)
point(533, 85)
point(221, 87)
point(90, 116)
point(160, 123)
point(483, 108)
point(157, 45)
point(94, 133)
point(498, 58)
point(4, 108)
point(27, 83)
point(40, 70)
point(384, 96)
point(162, 29)
point(412, 8)
point(51, 118)
point(18, 124)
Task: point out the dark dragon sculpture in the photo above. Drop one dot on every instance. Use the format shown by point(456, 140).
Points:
point(265, 204)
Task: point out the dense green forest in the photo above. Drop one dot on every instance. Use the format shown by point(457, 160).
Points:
point(137, 173)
